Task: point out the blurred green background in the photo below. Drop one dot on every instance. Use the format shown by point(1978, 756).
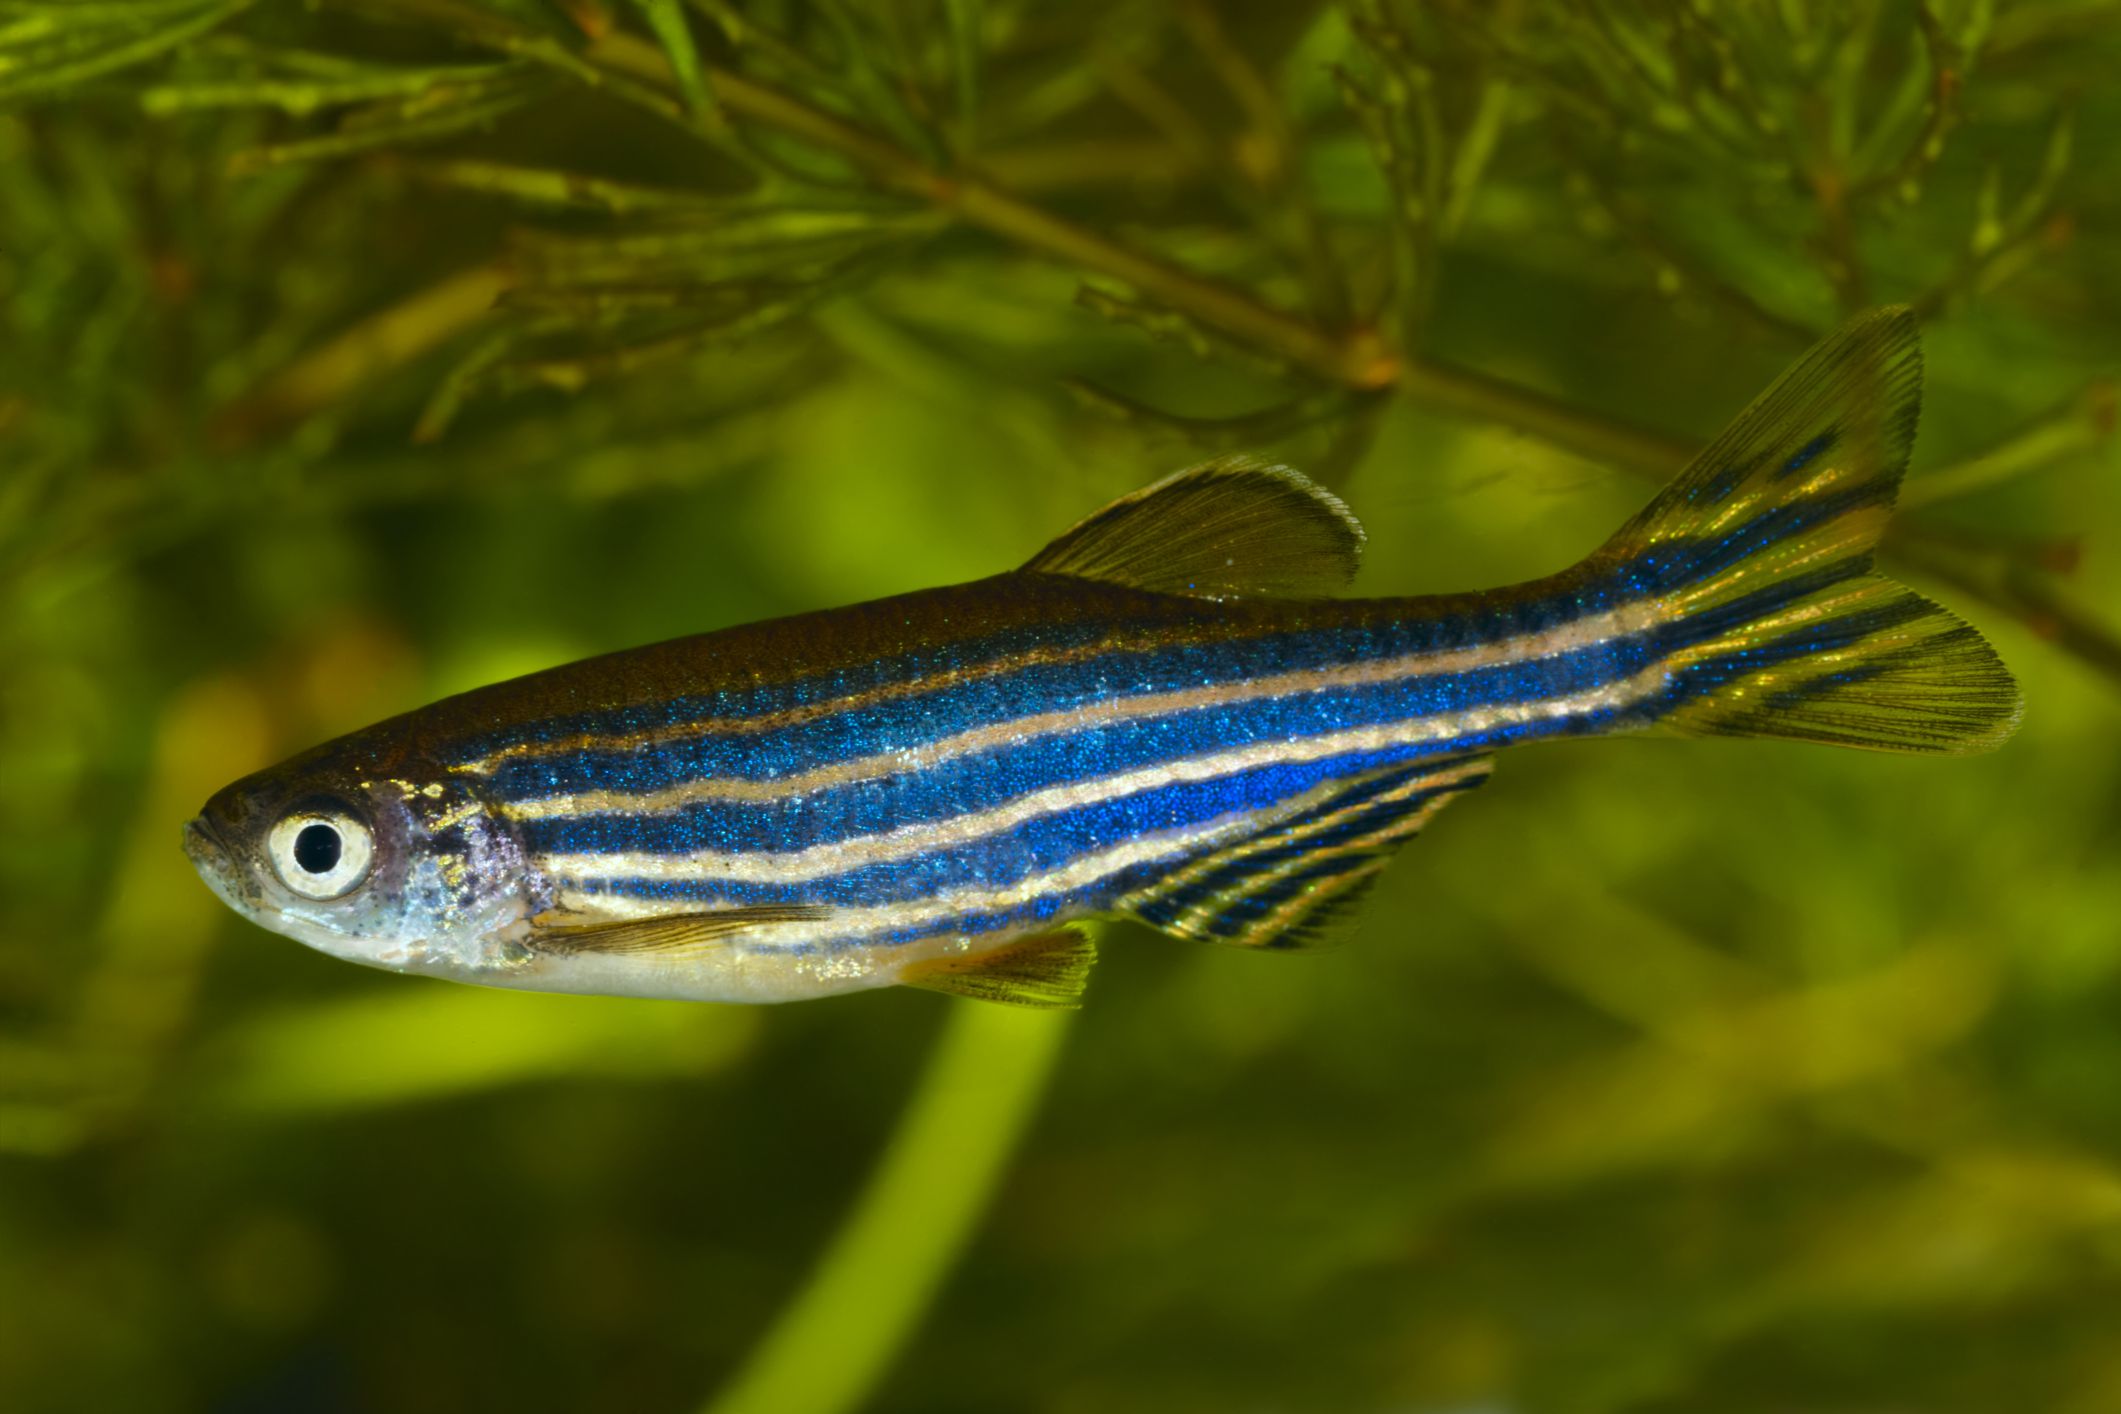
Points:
point(360, 351)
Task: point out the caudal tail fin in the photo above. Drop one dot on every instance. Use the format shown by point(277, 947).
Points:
point(1758, 557)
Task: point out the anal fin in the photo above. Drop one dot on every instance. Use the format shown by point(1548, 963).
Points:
point(1282, 887)
point(1049, 970)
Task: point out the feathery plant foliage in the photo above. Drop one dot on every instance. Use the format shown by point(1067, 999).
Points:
point(576, 196)
point(427, 305)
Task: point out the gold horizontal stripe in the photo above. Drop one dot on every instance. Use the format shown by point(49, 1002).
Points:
point(1583, 633)
point(822, 861)
point(815, 711)
point(1843, 599)
point(1079, 873)
point(1846, 536)
point(853, 924)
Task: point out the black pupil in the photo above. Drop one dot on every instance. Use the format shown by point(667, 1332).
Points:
point(317, 849)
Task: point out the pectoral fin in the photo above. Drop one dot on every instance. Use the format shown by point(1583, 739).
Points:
point(1049, 970)
point(670, 933)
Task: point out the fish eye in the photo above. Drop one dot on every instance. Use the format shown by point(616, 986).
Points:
point(321, 852)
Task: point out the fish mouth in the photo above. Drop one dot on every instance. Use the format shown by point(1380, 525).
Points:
point(203, 844)
point(215, 861)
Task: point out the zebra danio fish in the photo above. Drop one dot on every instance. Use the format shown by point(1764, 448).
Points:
point(1162, 716)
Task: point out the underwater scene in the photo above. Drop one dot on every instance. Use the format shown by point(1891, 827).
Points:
point(722, 705)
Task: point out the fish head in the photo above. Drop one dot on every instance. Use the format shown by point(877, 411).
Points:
point(369, 854)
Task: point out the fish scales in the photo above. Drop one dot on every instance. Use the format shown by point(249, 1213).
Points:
point(1161, 716)
point(1062, 763)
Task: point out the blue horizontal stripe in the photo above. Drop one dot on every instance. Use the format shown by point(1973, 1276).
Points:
point(1843, 631)
point(1034, 847)
point(1221, 655)
point(988, 779)
point(1809, 452)
point(1056, 907)
point(734, 705)
point(904, 724)
point(723, 747)
point(1673, 564)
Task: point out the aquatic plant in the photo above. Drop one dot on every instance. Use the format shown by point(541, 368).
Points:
point(359, 350)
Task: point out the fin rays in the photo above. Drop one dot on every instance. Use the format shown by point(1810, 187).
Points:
point(1280, 888)
point(1759, 557)
point(1225, 529)
point(1048, 970)
point(673, 934)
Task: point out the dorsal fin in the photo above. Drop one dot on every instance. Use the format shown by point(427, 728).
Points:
point(1222, 530)
point(1049, 970)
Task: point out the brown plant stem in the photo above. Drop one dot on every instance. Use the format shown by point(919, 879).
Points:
point(2033, 598)
point(1361, 359)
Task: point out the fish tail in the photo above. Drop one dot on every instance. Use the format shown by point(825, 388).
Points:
point(1769, 619)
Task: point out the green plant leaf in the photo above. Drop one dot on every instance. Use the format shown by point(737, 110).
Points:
point(666, 19)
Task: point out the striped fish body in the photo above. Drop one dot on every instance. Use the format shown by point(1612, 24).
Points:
point(959, 766)
point(1157, 718)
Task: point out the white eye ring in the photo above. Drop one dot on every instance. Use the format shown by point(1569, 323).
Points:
point(342, 845)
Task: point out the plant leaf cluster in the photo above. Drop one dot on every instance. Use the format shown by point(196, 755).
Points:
point(357, 351)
